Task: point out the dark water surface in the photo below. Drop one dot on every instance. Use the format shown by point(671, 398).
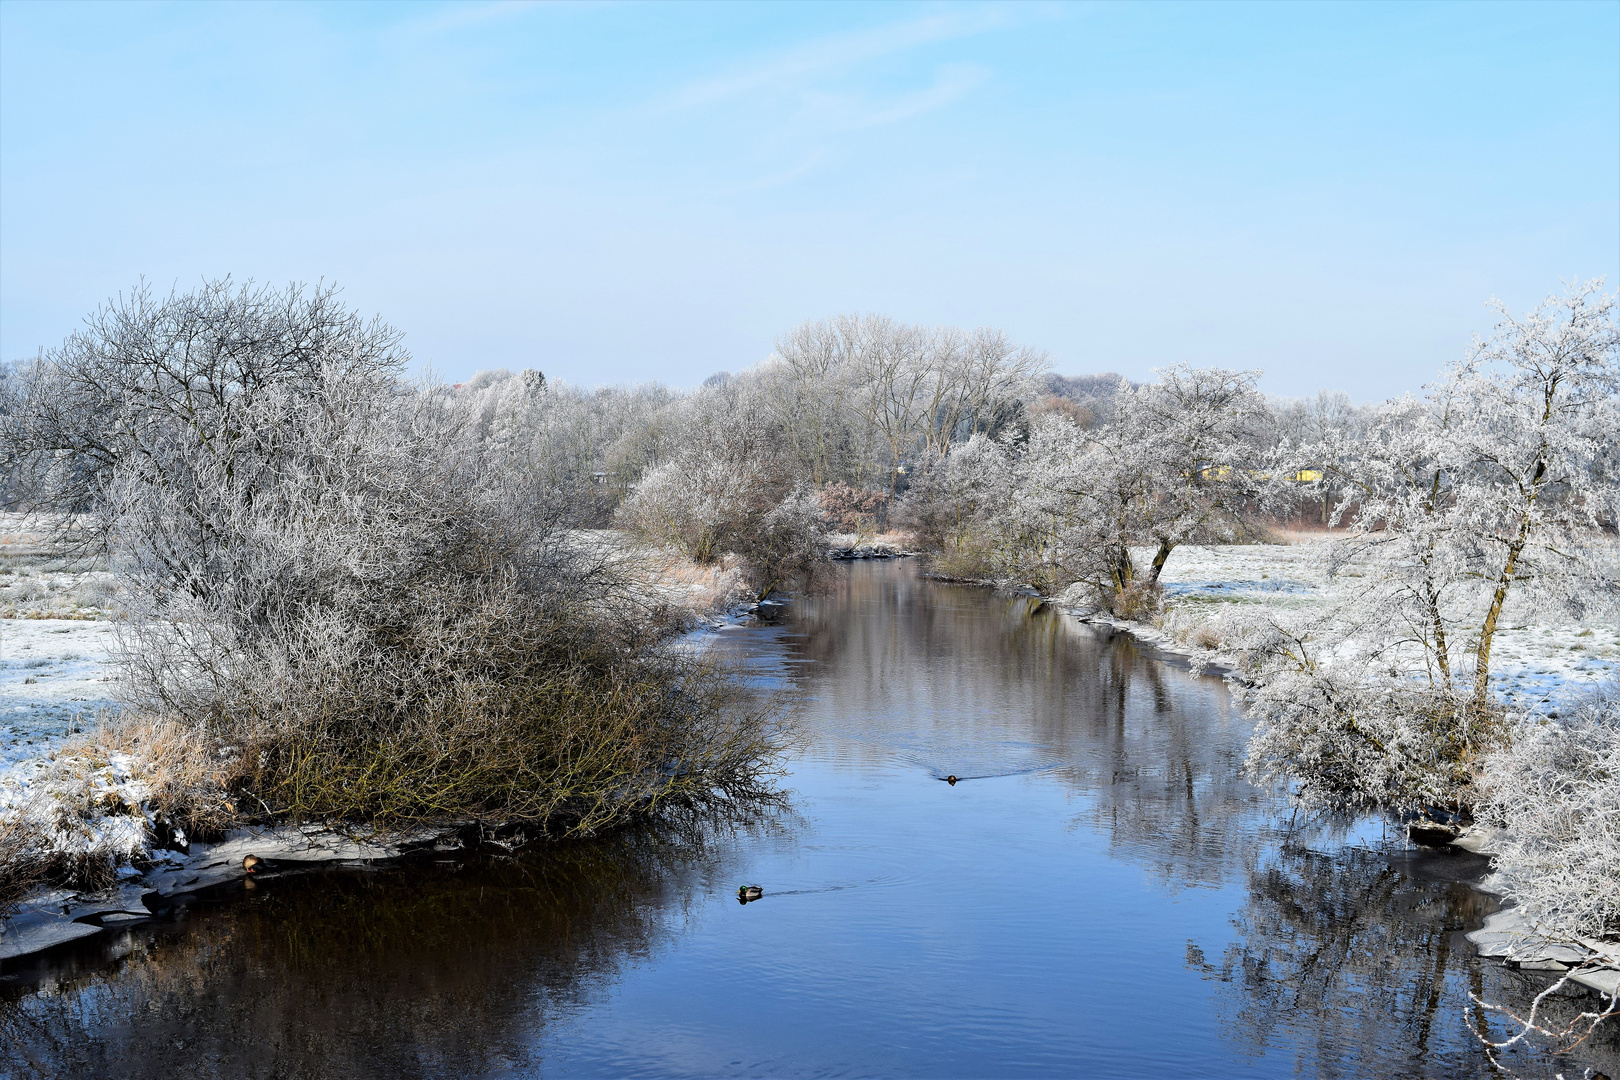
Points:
point(1106, 898)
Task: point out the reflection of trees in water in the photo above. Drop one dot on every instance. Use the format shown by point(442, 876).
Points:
point(416, 970)
point(1172, 797)
point(965, 681)
point(1364, 947)
point(1342, 951)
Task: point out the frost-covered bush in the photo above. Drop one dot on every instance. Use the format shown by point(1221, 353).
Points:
point(729, 488)
point(402, 626)
point(1351, 730)
point(1194, 625)
point(374, 588)
point(851, 509)
point(958, 505)
point(702, 503)
point(788, 540)
point(1556, 793)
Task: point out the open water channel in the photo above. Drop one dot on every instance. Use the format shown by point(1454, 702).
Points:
point(1101, 896)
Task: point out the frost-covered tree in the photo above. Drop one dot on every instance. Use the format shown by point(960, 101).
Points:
point(116, 394)
point(1489, 492)
point(1301, 430)
point(862, 398)
point(1180, 461)
point(1198, 437)
point(586, 447)
point(1534, 433)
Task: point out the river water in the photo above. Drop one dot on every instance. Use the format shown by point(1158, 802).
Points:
point(1102, 895)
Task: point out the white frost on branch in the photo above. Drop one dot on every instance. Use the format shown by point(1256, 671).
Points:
point(1556, 793)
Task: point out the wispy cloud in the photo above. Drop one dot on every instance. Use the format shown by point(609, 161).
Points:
point(950, 86)
point(789, 70)
point(459, 16)
point(839, 113)
point(781, 179)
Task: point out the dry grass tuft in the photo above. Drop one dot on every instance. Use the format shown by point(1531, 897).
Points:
point(191, 781)
point(107, 797)
point(33, 855)
point(24, 856)
point(1140, 600)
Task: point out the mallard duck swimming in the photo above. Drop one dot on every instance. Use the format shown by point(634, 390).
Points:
point(745, 893)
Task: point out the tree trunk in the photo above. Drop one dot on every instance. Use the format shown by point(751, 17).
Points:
point(1482, 662)
point(1439, 636)
point(1165, 548)
point(1123, 573)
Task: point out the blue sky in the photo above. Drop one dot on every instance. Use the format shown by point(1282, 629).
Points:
point(623, 192)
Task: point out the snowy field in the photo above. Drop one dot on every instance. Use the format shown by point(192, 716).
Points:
point(52, 677)
point(1530, 663)
point(55, 637)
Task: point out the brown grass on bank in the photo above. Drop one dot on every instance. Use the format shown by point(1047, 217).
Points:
point(182, 779)
point(192, 781)
point(23, 856)
point(891, 540)
point(692, 591)
point(31, 857)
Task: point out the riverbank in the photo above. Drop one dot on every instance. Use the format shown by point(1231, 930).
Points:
point(54, 916)
point(82, 783)
point(1538, 667)
point(1534, 665)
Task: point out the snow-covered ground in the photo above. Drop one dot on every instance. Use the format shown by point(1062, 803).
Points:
point(53, 676)
point(1530, 663)
point(55, 637)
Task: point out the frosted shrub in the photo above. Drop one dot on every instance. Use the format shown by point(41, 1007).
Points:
point(787, 541)
point(1351, 733)
point(701, 503)
point(1556, 792)
point(375, 589)
point(400, 627)
point(1197, 628)
point(729, 489)
point(958, 504)
point(851, 509)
